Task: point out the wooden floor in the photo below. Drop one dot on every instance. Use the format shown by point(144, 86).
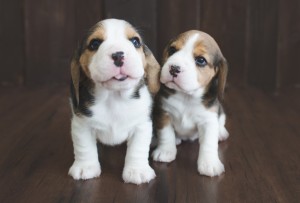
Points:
point(261, 157)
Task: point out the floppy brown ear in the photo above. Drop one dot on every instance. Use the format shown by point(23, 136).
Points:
point(152, 70)
point(222, 77)
point(75, 76)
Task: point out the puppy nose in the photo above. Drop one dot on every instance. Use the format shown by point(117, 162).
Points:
point(118, 58)
point(174, 70)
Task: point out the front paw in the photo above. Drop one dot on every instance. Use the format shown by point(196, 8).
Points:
point(223, 134)
point(210, 166)
point(164, 154)
point(138, 175)
point(81, 170)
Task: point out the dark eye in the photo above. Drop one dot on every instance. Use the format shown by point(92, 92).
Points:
point(136, 42)
point(172, 50)
point(200, 61)
point(94, 44)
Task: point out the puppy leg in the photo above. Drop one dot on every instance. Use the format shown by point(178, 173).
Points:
point(208, 160)
point(86, 164)
point(166, 150)
point(178, 141)
point(137, 169)
point(223, 133)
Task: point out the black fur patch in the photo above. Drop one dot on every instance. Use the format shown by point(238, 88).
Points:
point(86, 98)
point(211, 95)
point(220, 110)
point(136, 93)
point(165, 91)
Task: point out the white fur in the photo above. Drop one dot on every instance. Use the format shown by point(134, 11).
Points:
point(190, 119)
point(186, 81)
point(102, 67)
point(116, 116)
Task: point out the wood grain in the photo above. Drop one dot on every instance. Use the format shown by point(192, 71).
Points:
point(141, 14)
point(261, 156)
point(49, 37)
point(175, 17)
point(288, 43)
point(12, 43)
point(259, 38)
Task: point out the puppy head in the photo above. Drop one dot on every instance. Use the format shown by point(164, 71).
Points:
point(114, 56)
point(194, 61)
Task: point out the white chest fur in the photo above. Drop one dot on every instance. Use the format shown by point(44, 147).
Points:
point(187, 114)
point(115, 115)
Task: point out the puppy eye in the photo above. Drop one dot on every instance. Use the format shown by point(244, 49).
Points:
point(94, 44)
point(200, 61)
point(136, 42)
point(172, 50)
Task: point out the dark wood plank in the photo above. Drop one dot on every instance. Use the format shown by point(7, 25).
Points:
point(288, 43)
point(11, 43)
point(175, 17)
point(261, 157)
point(87, 13)
point(261, 43)
point(49, 39)
point(225, 22)
point(141, 14)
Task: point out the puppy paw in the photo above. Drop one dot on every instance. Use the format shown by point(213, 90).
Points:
point(210, 166)
point(85, 171)
point(223, 135)
point(138, 175)
point(178, 141)
point(164, 154)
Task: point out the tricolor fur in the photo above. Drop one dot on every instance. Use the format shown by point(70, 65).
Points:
point(114, 78)
point(188, 104)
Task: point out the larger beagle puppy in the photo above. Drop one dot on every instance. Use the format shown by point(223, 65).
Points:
point(114, 78)
point(188, 107)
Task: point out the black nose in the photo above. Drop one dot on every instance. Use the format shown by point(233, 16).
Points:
point(174, 70)
point(118, 58)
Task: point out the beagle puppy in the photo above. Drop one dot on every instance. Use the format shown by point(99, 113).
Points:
point(188, 104)
point(114, 79)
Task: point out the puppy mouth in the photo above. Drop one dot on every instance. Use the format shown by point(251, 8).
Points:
point(120, 77)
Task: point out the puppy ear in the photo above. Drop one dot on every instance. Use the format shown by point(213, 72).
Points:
point(75, 76)
point(222, 77)
point(152, 70)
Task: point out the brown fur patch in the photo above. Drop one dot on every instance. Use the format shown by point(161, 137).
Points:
point(177, 43)
point(85, 61)
point(98, 32)
point(151, 66)
point(205, 75)
point(85, 58)
point(162, 121)
point(152, 71)
point(199, 49)
point(213, 75)
point(160, 117)
point(131, 32)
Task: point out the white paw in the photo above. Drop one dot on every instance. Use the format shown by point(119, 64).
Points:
point(210, 166)
point(138, 175)
point(178, 141)
point(80, 170)
point(164, 154)
point(223, 134)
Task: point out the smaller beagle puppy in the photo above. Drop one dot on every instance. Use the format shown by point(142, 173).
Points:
point(188, 104)
point(114, 79)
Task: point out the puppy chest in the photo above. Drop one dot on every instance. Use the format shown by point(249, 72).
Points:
point(113, 123)
point(182, 117)
point(183, 124)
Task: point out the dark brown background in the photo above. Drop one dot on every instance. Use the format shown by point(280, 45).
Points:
point(260, 38)
point(261, 41)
